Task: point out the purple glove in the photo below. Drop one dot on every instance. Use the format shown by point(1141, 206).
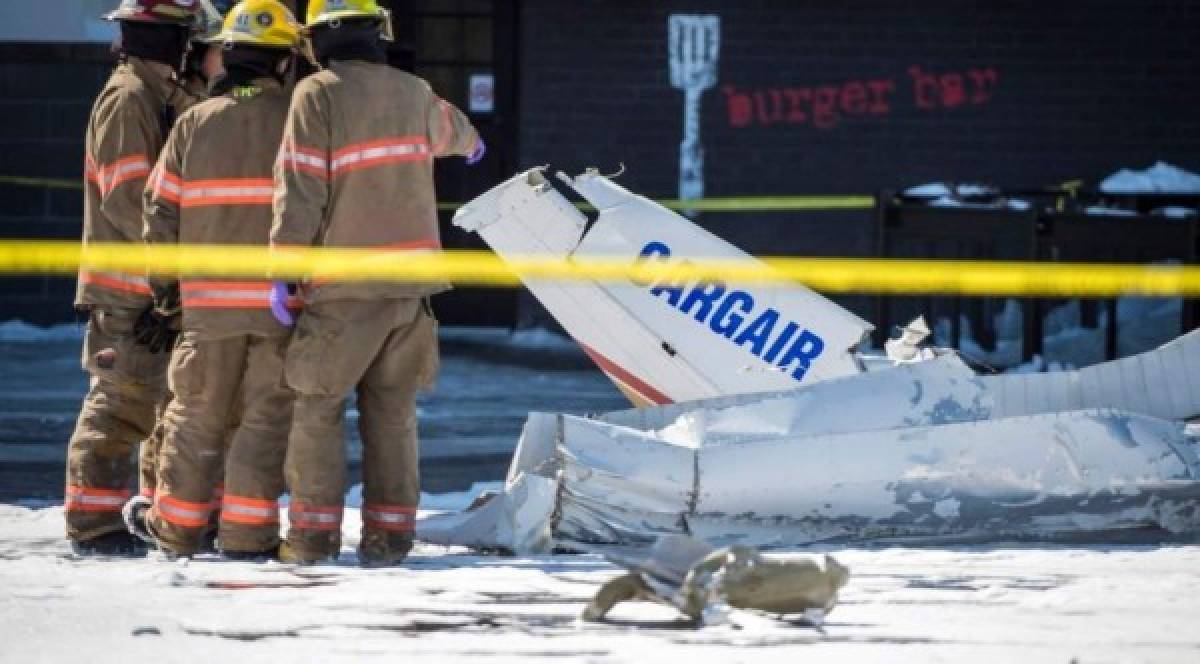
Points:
point(279, 304)
point(477, 154)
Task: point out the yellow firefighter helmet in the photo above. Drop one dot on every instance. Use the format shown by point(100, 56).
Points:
point(327, 11)
point(265, 23)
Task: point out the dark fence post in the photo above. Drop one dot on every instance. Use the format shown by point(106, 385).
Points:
point(883, 202)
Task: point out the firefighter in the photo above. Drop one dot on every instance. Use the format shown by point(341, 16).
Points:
point(127, 342)
point(356, 170)
point(201, 67)
point(213, 185)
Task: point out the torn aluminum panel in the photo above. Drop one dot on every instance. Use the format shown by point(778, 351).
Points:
point(615, 488)
point(1044, 476)
point(663, 343)
point(940, 391)
point(1163, 383)
point(535, 454)
point(1069, 475)
point(518, 520)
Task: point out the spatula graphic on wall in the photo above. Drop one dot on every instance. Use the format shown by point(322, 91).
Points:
point(693, 48)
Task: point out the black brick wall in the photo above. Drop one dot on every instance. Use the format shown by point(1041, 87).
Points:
point(1081, 89)
point(46, 92)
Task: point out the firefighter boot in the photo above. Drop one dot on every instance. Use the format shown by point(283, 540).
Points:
point(382, 549)
point(117, 544)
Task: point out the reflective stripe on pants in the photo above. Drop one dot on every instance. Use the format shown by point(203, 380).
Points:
point(182, 512)
point(306, 517)
point(394, 518)
point(88, 499)
point(250, 511)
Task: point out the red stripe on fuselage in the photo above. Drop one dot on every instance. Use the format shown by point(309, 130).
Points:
point(631, 381)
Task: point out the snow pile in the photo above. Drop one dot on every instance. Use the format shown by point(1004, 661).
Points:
point(1175, 212)
point(930, 191)
point(17, 331)
point(1106, 211)
point(964, 195)
point(1161, 178)
point(1008, 203)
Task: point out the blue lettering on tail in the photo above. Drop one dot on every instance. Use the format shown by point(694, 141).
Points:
point(725, 322)
point(724, 312)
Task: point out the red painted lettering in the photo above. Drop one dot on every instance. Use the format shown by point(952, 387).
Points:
point(798, 98)
point(925, 89)
point(768, 112)
point(738, 106)
point(825, 107)
point(854, 98)
point(953, 92)
point(829, 106)
point(880, 89)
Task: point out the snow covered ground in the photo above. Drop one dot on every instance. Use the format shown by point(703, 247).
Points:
point(1003, 603)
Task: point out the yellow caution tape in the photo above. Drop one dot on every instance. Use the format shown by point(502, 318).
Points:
point(770, 203)
point(730, 204)
point(482, 268)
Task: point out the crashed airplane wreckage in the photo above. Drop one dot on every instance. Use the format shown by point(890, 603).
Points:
point(761, 425)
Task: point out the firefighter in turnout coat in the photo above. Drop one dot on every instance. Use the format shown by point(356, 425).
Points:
point(213, 185)
point(356, 170)
point(127, 342)
point(202, 65)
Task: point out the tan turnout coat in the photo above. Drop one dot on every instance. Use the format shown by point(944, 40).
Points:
point(213, 185)
point(351, 177)
point(124, 135)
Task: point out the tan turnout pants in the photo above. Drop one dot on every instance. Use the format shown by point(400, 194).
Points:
point(148, 457)
point(152, 447)
point(207, 377)
point(127, 388)
point(387, 349)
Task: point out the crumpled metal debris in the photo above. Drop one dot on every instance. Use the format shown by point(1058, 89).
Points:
point(907, 348)
point(703, 582)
